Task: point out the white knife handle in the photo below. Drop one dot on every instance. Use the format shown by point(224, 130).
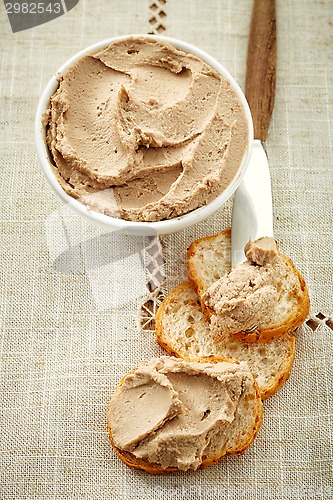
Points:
point(252, 215)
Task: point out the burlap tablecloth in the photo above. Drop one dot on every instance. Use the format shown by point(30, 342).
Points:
point(71, 293)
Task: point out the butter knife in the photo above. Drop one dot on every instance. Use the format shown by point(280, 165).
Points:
point(252, 215)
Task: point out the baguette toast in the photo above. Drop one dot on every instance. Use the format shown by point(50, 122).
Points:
point(209, 260)
point(241, 431)
point(182, 329)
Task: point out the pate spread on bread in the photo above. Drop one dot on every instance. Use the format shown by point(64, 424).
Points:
point(184, 322)
point(186, 412)
point(245, 296)
point(263, 298)
point(170, 414)
point(183, 330)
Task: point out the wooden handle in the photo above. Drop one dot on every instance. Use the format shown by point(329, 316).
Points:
point(260, 66)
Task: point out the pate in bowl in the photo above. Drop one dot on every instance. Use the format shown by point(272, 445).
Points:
point(143, 134)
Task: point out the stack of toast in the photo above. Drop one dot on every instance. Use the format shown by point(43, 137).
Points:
point(182, 321)
point(184, 330)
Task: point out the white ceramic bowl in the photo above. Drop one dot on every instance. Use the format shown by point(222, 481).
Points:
point(129, 227)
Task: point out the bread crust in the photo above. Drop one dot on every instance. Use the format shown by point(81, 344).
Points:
point(174, 296)
point(136, 463)
point(264, 335)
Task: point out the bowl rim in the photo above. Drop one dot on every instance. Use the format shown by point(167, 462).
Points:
point(131, 227)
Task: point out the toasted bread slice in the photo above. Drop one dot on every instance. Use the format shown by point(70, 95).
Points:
point(182, 329)
point(209, 259)
point(241, 432)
